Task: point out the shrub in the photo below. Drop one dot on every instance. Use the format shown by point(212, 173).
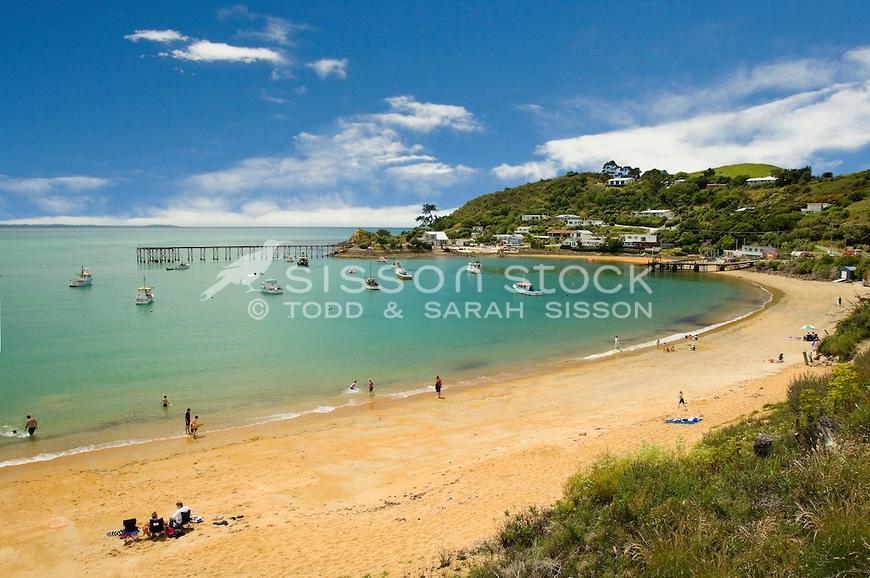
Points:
point(807, 381)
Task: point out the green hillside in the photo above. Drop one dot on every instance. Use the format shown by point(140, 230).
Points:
point(750, 170)
point(704, 217)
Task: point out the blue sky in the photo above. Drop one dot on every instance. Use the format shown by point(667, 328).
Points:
point(352, 113)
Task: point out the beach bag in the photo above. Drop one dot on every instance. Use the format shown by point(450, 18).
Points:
point(170, 531)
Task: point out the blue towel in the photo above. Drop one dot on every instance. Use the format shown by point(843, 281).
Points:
point(684, 420)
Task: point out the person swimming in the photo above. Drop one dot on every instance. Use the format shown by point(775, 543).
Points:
point(353, 386)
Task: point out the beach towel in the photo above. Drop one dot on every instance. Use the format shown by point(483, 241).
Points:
point(121, 534)
point(684, 420)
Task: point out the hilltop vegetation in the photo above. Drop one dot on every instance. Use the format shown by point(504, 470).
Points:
point(785, 494)
point(717, 218)
point(750, 170)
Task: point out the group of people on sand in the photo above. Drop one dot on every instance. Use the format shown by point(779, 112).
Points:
point(669, 348)
point(157, 527)
point(354, 387)
point(191, 426)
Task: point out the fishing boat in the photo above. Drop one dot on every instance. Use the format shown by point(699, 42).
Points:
point(372, 284)
point(83, 279)
point(473, 267)
point(144, 295)
point(526, 288)
point(303, 261)
point(271, 287)
point(403, 273)
point(180, 267)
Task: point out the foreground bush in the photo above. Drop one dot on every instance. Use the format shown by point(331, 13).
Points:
point(719, 509)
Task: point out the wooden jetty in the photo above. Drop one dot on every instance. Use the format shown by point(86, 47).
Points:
point(232, 252)
point(697, 265)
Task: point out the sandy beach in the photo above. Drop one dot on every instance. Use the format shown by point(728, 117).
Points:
point(389, 484)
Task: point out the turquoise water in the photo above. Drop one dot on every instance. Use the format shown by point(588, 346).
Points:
point(92, 366)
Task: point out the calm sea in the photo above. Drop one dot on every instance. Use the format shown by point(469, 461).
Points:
point(92, 366)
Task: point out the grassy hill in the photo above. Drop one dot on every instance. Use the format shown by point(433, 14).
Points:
point(703, 216)
point(750, 170)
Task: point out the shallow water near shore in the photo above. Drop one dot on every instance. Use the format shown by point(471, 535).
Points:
point(92, 366)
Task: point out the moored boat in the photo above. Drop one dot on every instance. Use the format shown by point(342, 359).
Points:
point(526, 288)
point(271, 287)
point(83, 279)
point(145, 294)
point(303, 261)
point(473, 267)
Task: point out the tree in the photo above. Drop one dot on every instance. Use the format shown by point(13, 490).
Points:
point(428, 214)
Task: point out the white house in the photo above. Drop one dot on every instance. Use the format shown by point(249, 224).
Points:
point(522, 230)
point(666, 213)
point(758, 181)
point(619, 181)
point(436, 238)
point(639, 240)
point(567, 217)
point(509, 240)
point(758, 251)
point(815, 207)
point(535, 217)
point(590, 223)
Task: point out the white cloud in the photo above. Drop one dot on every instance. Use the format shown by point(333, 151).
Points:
point(164, 36)
point(55, 194)
point(256, 213)
point(326, 67)
point(275, 30)
point(368, 149)
point(207, 51)
point(406, 112)
point(526, 172)
point(789, 131)
point(36, 185)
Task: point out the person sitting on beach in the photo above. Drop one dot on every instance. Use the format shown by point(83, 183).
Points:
point(194, 426)
point(692, 346)
point(177, 519)
point(156, 527)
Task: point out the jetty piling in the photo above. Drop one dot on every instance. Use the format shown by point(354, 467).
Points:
point(231, 252)
point(697, 266)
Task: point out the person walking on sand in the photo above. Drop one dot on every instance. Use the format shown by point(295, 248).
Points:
point(438, 387)
point(839, 301)
point(30, 425)
point(371, 388)
point(616, 342)
point(187, 421)
point(194, 426)
point(682, 402)
point(165, 402)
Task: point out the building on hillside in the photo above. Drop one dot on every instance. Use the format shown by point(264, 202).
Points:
point(476, 231)
point(535, 217)
point(436, 238)
point(522, 230)
point(713, 186)
point(589, 223)
point(815, 207)
point(619, 181)
point(658, 213)
point(509, 240)
point(759, 181)
point(567, 217)
point(639, 240)
point(744, 209)
point(759, 251)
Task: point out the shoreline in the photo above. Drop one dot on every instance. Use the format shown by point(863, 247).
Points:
point(553, 364)
point(412, 476)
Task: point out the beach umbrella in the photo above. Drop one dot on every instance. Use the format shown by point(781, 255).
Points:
point(807, 326)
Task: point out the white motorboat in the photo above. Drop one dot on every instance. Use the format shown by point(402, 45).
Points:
point(271, 287)
point(473, 267)
point(144, 295)
point(83, 279)
point(403, 273)
point(382, 260)
point(180, 267)
point(526, 288)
